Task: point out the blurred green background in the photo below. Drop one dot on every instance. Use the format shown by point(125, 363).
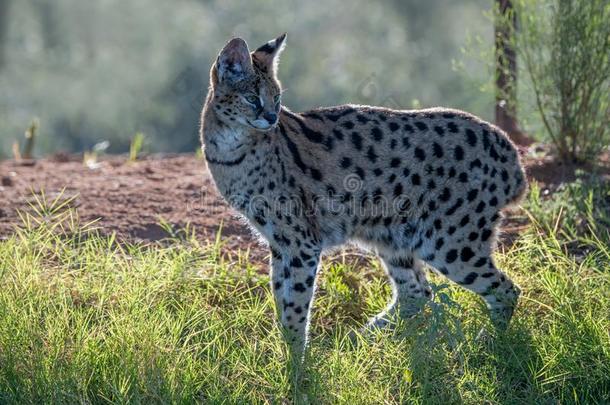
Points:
point(95, 71)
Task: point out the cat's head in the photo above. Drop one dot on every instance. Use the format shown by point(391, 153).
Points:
point(245, 87)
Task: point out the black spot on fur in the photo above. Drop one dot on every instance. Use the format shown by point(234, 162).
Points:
point(455, 207)
point(493, 154)
point(485, 235)
point(437, 150)
point(357, 140)
point(398, 190)
point(504, 175)
point(469, 279)
point(348, 125)
point(458, 153)
point(452, 127)
point(464, 221)
point(338, 134)
point(466, 254)
point(292, 147)
point(310, 134)
point(362, 119)
point(419, 154)
point(309, 281)
point(475, 163)
point(471, 137)
point(377, 134)
point(421, 126)
point(486, 141)
point(335, 116)
point(371, 155)
point(472, 194)
point(315, 174)
point(451, 256)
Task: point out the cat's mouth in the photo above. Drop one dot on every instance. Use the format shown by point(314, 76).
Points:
point(262, 125)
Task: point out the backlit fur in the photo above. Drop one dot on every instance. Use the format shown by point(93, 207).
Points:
point(415, 186)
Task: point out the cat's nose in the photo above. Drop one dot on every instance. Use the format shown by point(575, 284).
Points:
point(271, 117)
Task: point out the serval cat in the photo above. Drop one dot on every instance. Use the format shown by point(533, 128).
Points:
point(414, 186)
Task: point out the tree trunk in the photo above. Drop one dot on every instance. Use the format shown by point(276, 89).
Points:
point(4, 10)
point(506, 72)
point(47, 12)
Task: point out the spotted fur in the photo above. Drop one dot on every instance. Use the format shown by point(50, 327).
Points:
point(415, 186)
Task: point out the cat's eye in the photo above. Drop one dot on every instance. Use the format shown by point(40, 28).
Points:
point(277, 99)
point(252, 99)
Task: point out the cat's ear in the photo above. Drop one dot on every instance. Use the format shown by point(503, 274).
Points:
point(234, 62)
point(267, 56)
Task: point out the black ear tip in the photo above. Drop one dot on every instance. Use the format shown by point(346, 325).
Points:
point(282, 37)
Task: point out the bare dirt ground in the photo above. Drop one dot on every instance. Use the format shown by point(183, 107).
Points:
point(133, 198)
point(129, 198)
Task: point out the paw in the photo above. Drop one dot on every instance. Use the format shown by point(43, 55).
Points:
point(356, 337)
point(500, 317)
point(383, 321)
point(485, 337)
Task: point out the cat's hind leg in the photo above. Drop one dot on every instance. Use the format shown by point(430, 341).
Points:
point(410, 289)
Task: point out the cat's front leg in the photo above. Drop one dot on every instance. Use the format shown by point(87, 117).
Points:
point(293, 275)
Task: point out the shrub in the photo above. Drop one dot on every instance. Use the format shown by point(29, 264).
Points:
point(565, 48)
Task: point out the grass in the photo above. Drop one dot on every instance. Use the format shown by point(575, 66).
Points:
point(84, 319)
point(135, 147)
